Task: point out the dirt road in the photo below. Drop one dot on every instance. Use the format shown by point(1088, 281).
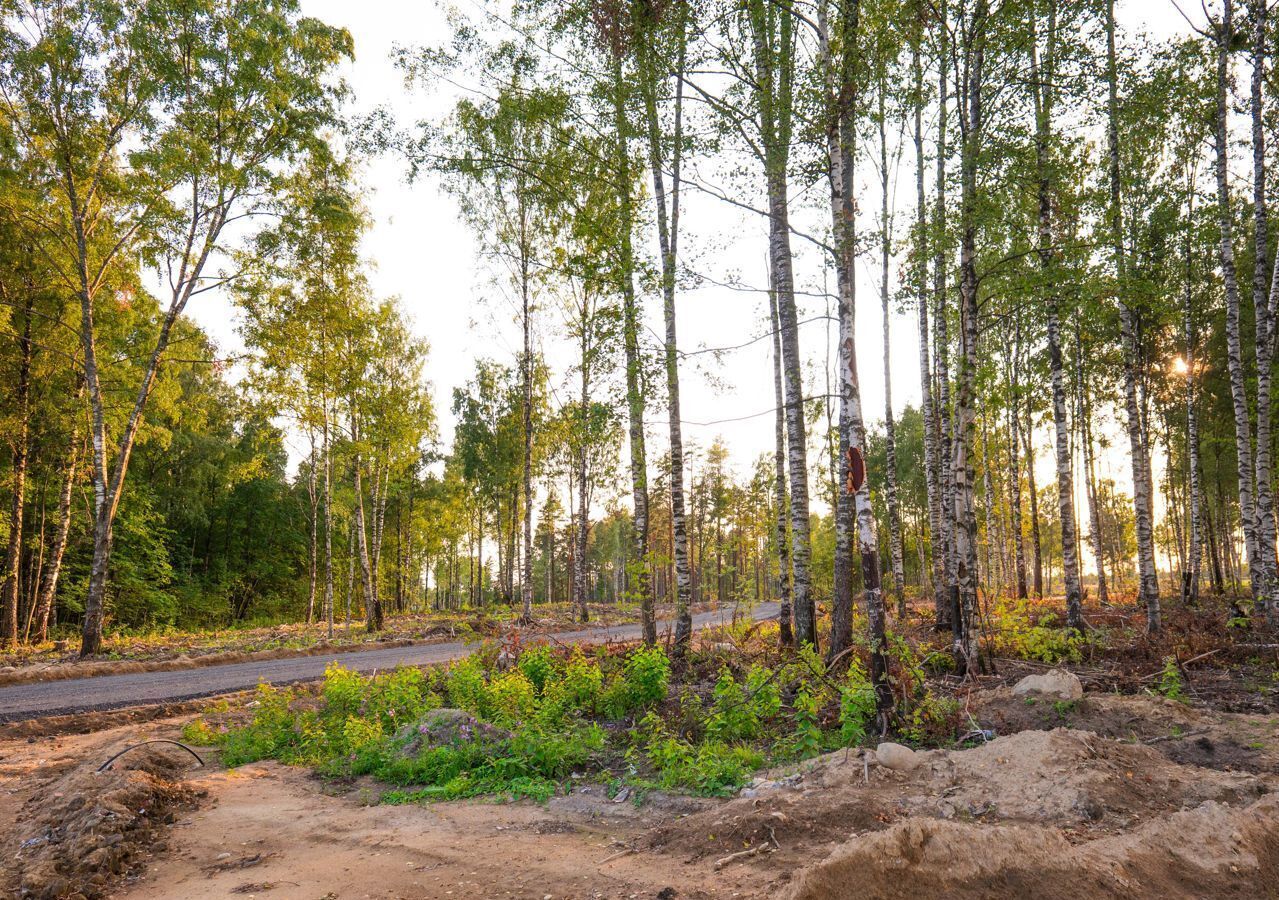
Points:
point(26, 701)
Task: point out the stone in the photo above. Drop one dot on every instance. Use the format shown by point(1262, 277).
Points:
point(443, 727)
point(897, 757)
point(1056, 683)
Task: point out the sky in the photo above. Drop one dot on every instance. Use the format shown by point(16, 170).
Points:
point(422, 253)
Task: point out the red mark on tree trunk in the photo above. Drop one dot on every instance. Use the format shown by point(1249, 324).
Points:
point(856, 470)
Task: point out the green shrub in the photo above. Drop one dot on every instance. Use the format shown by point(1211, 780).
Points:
point(270, 734)
point(807, 740)
point(712, 768)
point(582, 681)
point(538, 666)
point(343, 691)
point(647, 673)
point(856, 705)
point(466, 686)
point(511, 697)
point(1170, 682)
point(399, 697)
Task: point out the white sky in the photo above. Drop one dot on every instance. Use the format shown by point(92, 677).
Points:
point(425, 255)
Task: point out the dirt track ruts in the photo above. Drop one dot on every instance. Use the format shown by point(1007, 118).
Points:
point(76, 695)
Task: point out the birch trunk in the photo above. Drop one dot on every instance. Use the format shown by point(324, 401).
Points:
point(964, 626)
point(328, 524)
point(1142, 479)
point(1190, 578)
point(1094, 510)
point(668, 240)
point(1041, 80)
point(1014, 468)
point(1263, 301)
point(526, 386)
point(372, 603)
point(785, 635)
point(946, 589)
point(1234, 345)
point(928, 405)
point(895, 552)
point(52, 572)
point(9, 632)
point(313, 501)
point(634, 365)
point(583, 500)
point(773, 63)
point(839, 148)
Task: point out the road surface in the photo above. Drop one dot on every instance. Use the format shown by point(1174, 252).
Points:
point(76, 695)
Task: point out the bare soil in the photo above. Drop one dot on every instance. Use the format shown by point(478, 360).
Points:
point(1125, 802)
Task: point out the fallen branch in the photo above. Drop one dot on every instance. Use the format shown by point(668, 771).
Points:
point(737, 857)
point(1175, 737)
point(619, 854)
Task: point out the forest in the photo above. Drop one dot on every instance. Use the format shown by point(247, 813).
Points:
point(1006, 267)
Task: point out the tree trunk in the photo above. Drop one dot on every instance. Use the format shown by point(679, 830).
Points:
point(1263, 301)
point(668, 239)
point(1094, 511)
point(1043, 98)
point(928, 407)
point(634, 364)
point(895, 553)
point(9, 632)
point(372, 603)
point(945, 596)
point(785, 635)
point(583, 512)
point(1143, 481)
point(1234, 346)
point(1014, 467)
point(49, 583)
point(964, 625)
point(1190, 578)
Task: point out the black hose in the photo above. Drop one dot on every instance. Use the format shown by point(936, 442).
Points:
point(106, 765)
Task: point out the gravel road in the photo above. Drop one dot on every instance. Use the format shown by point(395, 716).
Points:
point(28, 701)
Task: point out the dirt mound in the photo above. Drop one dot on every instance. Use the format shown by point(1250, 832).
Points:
point(1068, 777)
point(1064, 778)
point(1185, 734)
point(1211, 851)
point(87, 826)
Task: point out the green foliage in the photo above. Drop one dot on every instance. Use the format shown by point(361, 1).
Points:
point(582, 682)
point(466, 686)
point(856, 705)
point(1170, 681)
point(740, 710)
point(538, 666)
point(933, 720)
point(807, 740)
point(511, 698)
point(648, 673)
point(712, 768)
point(1016, 635)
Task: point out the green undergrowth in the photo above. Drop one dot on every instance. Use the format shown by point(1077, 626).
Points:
point(624, 719)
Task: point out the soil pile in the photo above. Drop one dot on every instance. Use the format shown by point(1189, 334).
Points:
point(88, 827)
point(1211, 851)
point(1092, 785)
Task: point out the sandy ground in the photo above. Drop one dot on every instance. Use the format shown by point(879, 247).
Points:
point(1153, 800)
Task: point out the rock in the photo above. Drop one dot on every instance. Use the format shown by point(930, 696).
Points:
point(1057, 683)
point(897, 757)
point(442, 727)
